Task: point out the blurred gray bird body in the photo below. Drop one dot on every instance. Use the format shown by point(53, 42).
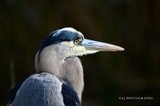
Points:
point(37, 90)
point(59, 78)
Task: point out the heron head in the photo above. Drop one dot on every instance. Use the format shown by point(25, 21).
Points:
point(72, 43)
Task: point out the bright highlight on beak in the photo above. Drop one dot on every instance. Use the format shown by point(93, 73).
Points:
point(100, 46)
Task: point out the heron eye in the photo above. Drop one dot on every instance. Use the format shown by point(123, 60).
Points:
point(77, 41)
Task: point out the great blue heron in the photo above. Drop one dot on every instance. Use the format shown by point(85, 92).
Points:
point(59, 78)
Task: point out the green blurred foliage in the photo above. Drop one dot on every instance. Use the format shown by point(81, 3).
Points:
point(132, 24)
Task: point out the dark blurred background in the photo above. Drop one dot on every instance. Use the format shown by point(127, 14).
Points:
point(132, 24)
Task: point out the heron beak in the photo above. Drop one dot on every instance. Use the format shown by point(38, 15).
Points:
point(92, 45)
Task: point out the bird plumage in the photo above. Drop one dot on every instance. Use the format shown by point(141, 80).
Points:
point(41, 87)
point(59, 78)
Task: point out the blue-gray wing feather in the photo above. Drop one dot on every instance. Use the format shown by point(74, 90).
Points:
point(42, 89)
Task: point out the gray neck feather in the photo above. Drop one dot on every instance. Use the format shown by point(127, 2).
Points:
point(66, 69)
